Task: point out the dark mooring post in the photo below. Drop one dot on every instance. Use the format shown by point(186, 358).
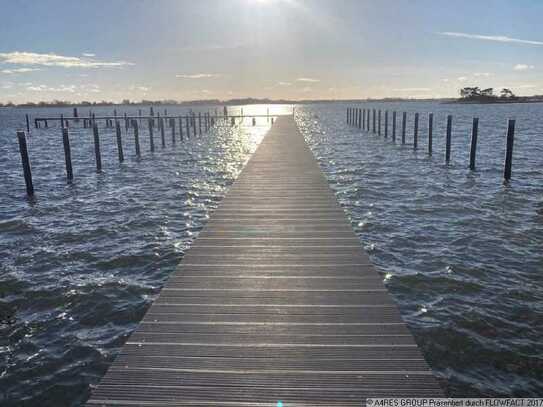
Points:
point(151, 135)
point(23, 149)
point(386, 123)
point(394, 126)
point(416, 132)
point(161, 125)
point(180, 129)
point(194, 125)
point(359, 118)
point(27, 123)
point(363, 119)
point(187, 126)
point(379, 123)
point(119, 141)
point(473, 146)
point(97, 152)
point(67, 155)
point(509, 141)
point(172, 126)
point(373, 114)
point(404, 124)
point(136, 137)
point(430, 132)
point(448, 139)
point(199, 123)
point(61, 121)
point(368, 120)
point(347, 115)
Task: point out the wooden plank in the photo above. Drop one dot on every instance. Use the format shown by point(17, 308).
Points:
point(276, 300)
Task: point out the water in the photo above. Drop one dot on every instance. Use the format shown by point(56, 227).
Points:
point(459, 250)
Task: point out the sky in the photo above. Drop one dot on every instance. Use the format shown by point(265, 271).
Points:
point(280, 49)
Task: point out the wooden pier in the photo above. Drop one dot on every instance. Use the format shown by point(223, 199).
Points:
point(275, 304)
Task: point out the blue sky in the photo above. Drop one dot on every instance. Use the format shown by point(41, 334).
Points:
point(296, 49)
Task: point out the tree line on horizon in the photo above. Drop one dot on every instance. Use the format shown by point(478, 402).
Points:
point(476, 93)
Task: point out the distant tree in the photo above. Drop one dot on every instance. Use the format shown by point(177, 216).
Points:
point(507, 93)
point(470, 92)
point(488, 92)
point(126, 101)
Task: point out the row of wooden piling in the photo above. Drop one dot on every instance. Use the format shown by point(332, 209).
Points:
point(365, 119)
point(190, 122)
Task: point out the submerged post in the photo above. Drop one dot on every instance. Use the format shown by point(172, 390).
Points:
point(509, 141)
point(119, 141)
point(448, 139)
point(67, 155)
point(97, 152)
point(23, 149)
point(416, 132)
point(394, 126)
point(404, 123)
point(473, 147)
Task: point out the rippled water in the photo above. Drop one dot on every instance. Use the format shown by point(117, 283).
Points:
point(460, 251)
point(81, 263)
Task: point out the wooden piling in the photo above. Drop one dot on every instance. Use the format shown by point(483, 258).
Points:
point(448, 139)
point(379, 123)
point(61, 121)
point(473, 144)
point(27, 123)
point(430, 132)
point(363, 119)
point(136, 138)
point(180, 129)
point(199, 123)
point(151, 135)
point(359, 118)
point(67, 155)
point(404, 124)
point(161, 125)
point(119, 141)
point(394, 126)
point(416, 132)
point(194, 124)
point(509, 141)
point(187, 126)
point(27, 172)
point(373, 114)
point(97, 152)
point(172, 126)
point(386, 123)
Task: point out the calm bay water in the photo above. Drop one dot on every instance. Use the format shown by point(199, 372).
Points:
point(459, 251)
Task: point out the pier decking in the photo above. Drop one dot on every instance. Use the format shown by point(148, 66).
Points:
point(275, 304)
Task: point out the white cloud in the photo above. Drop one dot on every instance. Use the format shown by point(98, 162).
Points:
point(412, 90)
point(140, 88)
point(45, 88)
point(485, 74)
point(284, 83)
point(462, 78)
point(445, 80)
point(18, 70)
point(523, 67)
point(199, 76)
point(312, 80)
point(497, 38)
point(88, 54)
point(32, 58)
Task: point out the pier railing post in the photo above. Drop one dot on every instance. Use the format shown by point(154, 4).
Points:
point(119, 141)
point(97, 152)
point(509, 141)
point(473, 144)
point(67, 155)
point(404, 124)
point(448, 139)
point(430, 132)
point(27, 172)
point(416, 132)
